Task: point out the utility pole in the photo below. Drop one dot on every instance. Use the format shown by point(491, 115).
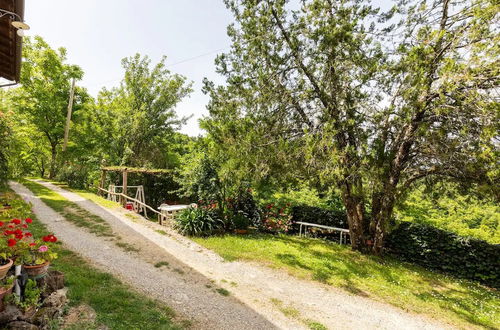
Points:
point(68, 116)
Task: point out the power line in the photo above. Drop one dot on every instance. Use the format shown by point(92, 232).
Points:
point(170, 65)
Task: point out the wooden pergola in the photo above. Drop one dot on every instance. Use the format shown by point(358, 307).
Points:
point(10, 42)
point(124, 171)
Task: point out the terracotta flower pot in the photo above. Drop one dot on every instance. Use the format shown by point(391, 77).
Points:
point(3, 293)
point(5, 268)
point(36, 270)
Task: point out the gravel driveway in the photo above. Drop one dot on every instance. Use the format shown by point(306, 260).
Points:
point(188, 284)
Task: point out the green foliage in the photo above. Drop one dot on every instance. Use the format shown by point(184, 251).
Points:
point(245, 205)
point(318, 92)
point(321, 216)
point(445, 251)
point(447, 208)
point(44, 93)
point(198, 221)
point(240, 220)
point(300, 194)
point(4, 137)
point(31, 296)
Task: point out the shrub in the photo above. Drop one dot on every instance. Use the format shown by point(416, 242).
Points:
point(198, 222)
point(245, 203)
point(276, 219)
point(445, 251)
point(319, 216)
point(240, 220)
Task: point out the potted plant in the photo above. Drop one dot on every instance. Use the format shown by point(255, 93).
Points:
point(6, 286)
point(7, 245)
point(240, 223)
point(38, 255)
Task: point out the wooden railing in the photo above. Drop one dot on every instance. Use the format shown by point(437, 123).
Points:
point(125, 197)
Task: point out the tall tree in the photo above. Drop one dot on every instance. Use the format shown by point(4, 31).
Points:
point(360, 100)
point(140, 116)
point(44, 93)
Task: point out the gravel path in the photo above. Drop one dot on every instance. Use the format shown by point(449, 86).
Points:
point(193, 268)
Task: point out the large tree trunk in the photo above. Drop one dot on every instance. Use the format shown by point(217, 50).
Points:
point(381, 214)
point(52, 173)
point(354, 204)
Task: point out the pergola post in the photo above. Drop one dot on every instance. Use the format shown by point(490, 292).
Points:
point(124, 200)
point(102, 182)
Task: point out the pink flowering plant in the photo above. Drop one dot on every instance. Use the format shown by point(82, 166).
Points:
point(40, 251)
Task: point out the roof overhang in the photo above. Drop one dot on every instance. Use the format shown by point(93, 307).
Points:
point(10, 42)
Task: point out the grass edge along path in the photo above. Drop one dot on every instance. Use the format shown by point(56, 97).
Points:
point(458, 302)
point(117, 305)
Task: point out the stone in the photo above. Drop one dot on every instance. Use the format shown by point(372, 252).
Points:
point(53, 281)
point(10, 313)
point(45, 315)
point(55, 299)
point(21, 325)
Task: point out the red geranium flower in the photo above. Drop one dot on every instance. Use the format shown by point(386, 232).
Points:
point(16, 221)
point(32, 244)
point(25, 226)
point(11, 226)
point(50, 238)
point(18, 231)
point(1, 224)
point(11, 242)
point(28, 234)
point(28, 220)
point(19, 236)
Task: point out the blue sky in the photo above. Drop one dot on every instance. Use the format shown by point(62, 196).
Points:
point(99, 33)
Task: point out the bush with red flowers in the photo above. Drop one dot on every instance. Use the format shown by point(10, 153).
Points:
point(276, 218)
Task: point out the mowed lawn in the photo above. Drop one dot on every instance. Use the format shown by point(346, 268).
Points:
point(459, 302)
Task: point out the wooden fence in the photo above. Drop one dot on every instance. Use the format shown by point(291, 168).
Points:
point(136, 202)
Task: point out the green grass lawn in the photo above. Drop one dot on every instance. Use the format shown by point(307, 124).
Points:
point(117, 305)
point(459, 302)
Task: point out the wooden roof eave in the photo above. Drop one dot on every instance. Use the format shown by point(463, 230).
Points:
point(10, 42)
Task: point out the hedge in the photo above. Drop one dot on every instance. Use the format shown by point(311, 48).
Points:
point(445, 251)
point(424, 245)
point(319, 216)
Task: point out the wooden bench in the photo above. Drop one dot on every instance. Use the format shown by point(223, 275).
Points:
point(343, 232)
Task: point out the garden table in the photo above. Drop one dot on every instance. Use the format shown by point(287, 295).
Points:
point(343, 232)
point(168, 212)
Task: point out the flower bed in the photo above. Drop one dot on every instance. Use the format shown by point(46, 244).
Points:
point(19, 248)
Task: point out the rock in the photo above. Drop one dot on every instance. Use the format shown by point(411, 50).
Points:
point(53, 281)
point(56, 299)
point(21, 325)
point(45, 315)
point(10, 313)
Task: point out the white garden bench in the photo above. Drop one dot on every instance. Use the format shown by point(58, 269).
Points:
point(343, 232)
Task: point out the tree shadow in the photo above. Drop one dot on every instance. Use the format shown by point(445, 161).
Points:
point(331, 263)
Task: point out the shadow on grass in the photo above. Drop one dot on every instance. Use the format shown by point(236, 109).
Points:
point(385, 278)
